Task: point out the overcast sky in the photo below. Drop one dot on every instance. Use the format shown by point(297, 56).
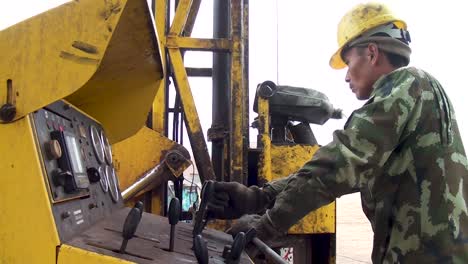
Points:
point(291, 42)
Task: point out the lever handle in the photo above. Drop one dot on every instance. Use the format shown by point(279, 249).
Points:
point(233, 252)
point(131, 224)
point(200, 249)
point(174, 211)
point(173, 215)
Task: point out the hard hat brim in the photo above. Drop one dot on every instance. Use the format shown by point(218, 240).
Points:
point(336, 62)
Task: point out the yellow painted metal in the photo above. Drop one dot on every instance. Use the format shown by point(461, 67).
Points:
point(27, 228)
point(138, 154)
point(264, 168)
point(103, 56)
point(180, 17)
point(239, 110)
point(288, 159)
point(280, 161)
point(72, 255)
point(192, 15)
point(197, 139)
point(198, 44)
point(159, 103)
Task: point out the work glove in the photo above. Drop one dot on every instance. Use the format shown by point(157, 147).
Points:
point(264, 228)
point(231, 200)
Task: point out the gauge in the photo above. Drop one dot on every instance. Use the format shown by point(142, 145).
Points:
point(107, 148)
point(97, 144)
point(104, 179)
point(113, 183)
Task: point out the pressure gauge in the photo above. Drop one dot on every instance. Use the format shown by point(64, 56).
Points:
point(113, 183)
point(97, 144)
point(107, 148)
point(104, 179)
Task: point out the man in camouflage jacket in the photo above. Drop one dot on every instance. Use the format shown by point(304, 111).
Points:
point(401, 150)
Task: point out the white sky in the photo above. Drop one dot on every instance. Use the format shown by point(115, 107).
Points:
point(301, 36)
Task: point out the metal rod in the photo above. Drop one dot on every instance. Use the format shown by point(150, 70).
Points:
point(151, 177)
point(123, 246)
point(172, 238)
point(265, 249)
point(221, 91)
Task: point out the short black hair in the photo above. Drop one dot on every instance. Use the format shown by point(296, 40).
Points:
point(396, 60)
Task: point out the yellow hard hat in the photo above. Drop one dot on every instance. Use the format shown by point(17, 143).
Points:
point(357, 21)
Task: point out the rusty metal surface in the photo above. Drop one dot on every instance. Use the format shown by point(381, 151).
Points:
point(151, 241)
point(193, 125)
point(198, 44)
point(239, 112)
point(192, 15)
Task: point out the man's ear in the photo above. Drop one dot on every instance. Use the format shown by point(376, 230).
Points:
point(373, 52)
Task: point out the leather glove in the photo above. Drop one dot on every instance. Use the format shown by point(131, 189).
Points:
point(265, 230)
point(231, 200)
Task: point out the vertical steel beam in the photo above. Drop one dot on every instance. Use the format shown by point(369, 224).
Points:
point(264, 141)
point(221, 93)
point(245, 87)
point(159, 115)
point(238, 111)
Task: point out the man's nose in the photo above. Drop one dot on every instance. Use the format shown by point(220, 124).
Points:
point(347, 78)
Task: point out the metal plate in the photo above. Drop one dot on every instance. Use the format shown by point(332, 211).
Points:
point(151, 241)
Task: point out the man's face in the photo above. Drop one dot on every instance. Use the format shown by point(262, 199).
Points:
point(360, 75)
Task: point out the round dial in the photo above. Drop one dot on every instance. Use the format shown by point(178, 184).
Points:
point(113, 183)
point(104, 179)
point(97, 144)
point(107, 148)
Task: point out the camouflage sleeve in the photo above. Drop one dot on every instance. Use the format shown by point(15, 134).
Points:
point(273, 188)
point(355, 157)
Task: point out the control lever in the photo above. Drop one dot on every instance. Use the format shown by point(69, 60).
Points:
point(173, 215)
point(232, 253)
point(201, 250)
point(264, 248)
point(131, 224)
point(201, 218)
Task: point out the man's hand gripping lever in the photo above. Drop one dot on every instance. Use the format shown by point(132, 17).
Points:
point(201, 216)
point(231, 200)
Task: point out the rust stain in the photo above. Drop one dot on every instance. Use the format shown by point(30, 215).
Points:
point(78, 59)
point(111, 9)
point(85, 47)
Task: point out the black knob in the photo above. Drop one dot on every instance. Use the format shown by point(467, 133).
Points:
point(7, 112)
point(174, 214)
point(93, 175)
point(130, 225)
point(64, 179)
point(66, 214)
point(174, 211)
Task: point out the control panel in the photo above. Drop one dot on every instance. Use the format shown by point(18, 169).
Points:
point(77, 158)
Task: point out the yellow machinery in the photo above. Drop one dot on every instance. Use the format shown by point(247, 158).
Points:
point(83, 132)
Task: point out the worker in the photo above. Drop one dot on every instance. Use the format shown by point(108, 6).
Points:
point(401, 150)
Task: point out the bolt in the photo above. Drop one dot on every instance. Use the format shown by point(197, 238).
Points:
point(7, 112)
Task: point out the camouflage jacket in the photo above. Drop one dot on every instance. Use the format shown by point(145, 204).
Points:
point(403, 152)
